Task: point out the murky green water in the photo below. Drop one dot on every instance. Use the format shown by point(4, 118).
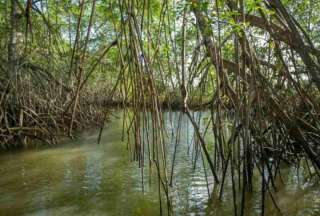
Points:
point(84, 178)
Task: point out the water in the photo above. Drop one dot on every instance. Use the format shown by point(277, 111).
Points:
point(83, 178)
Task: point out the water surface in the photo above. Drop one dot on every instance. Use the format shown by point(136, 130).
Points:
point(82, 177)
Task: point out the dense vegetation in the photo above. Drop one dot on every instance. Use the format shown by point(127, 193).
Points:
point(255, 62)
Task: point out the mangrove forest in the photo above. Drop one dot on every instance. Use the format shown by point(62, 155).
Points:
point(160, 107)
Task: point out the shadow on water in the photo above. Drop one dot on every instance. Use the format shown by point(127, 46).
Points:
point(84, 178)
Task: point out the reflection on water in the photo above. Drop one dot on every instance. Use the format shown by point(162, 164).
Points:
point(84, 178)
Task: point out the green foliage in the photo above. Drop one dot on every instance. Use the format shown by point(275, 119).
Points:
point(49, 39)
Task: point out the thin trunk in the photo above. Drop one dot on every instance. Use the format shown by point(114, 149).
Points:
point(12, 44)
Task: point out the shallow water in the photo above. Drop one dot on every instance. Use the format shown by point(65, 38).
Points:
point(85, 178)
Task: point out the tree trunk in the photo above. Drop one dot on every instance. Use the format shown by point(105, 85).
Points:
point(12, 43)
